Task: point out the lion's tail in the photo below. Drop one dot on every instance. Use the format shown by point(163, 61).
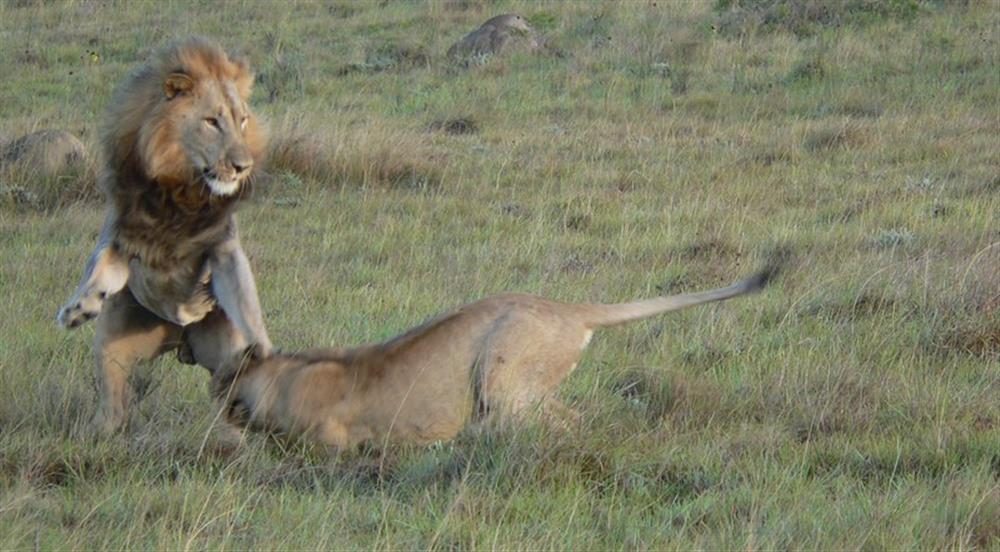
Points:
point(610, 315)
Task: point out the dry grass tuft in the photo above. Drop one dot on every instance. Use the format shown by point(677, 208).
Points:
point(303, 153)
point(458, 125)
point(966, 314)
point(845, 136)
point(775, 155)
point(859, 105)
point(713, 249)
point(805, 17)
point(973, 338)
point(46, 169)
point(864, 305)
point(970, 325)
point(23, 188)
point(46, 469)
point(389, 57)
point(655, 396)
point(373, 157)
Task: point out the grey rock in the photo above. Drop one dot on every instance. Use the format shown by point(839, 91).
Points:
point(493, 36)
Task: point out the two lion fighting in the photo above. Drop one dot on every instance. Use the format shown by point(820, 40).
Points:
point(168, 272)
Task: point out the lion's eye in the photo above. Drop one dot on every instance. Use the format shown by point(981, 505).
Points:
point(212, 122)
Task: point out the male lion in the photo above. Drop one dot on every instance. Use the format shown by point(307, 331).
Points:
point(179, 144)
point(500, 355)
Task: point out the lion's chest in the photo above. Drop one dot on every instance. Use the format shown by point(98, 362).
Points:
point(168, 253)
point(166, 243)
point(180, 295)
point(168, 247)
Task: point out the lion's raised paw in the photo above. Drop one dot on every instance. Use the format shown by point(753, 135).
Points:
point(77, 313)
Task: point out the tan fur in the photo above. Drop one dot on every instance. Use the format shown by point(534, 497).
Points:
point(502, 356)
point(179, 145)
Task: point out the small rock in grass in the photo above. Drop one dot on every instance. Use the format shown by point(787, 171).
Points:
point(493, 36)
point(50, 152)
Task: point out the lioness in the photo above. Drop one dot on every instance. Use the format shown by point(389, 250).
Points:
point(179, 144)
point(500, 355)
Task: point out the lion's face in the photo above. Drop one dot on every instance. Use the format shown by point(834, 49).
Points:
point(203, 134)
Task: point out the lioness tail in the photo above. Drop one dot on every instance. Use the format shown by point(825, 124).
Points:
point(610, 315)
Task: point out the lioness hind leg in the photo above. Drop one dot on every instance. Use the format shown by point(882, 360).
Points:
point(556, 413)
point(517, 380)
point(126, 334)
point(505, 404)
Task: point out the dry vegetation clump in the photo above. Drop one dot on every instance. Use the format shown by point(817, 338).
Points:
point(778, 154)
point(50, 469)
point(283, 77)
point(455, 125)
point(844, 308)
point(373, 157)
point(832, 137)
point(709, 249)
point(966, 316)
point(389, 57)
point(859, 104)
point(45, 152)
point(806, 17)
point(653, 395)
point(46, 169)
point(975, 337)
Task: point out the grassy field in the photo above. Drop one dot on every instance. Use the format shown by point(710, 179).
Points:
point(652, 147)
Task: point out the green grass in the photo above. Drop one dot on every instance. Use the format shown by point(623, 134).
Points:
point(650, 148)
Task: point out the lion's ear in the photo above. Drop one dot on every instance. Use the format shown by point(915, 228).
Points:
point(240, 62)
point(177, 83)
point(243, 76)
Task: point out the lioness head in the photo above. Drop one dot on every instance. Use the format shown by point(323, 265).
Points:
point(187, 114)
point(224, 385)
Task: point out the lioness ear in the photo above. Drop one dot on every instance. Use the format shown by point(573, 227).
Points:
point(177, 83)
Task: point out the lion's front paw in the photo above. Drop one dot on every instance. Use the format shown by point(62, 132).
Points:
point(79, 311)
point(107, 421)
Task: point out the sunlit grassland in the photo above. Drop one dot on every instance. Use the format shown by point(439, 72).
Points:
point(650, 149)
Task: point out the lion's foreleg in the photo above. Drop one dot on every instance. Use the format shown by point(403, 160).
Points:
point(234, 288)
point(214, 340)
point(105, 274)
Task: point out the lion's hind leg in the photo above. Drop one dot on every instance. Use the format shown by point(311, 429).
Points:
point(127, 333)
